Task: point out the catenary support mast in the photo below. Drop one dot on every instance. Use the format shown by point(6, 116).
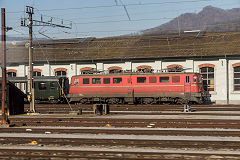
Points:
point(4, 88)
point(30, 22)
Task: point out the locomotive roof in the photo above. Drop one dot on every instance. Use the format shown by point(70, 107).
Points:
point(127, 47)
point(38, 78)
point(137, 74)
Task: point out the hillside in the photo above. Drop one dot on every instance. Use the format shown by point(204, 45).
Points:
point(210, 19)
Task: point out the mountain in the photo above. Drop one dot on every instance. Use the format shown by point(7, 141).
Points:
point(210, 19)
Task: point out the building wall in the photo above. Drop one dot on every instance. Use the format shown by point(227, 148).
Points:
point(223, 87)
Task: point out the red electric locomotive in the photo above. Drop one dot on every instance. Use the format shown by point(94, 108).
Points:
point(143, 88)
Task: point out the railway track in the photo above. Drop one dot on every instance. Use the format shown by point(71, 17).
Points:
point(129, 132)
point(136, 109)
point(125, 131)
point(125, 122)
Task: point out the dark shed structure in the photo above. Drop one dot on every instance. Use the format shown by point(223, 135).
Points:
point(15, 99)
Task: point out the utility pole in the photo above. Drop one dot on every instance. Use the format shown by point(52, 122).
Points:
point(4, 81)
point(30, 22)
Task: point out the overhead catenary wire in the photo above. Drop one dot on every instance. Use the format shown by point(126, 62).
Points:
point(107, 6)
point(48, 62)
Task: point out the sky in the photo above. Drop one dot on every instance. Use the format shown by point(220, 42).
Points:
point(100, 18)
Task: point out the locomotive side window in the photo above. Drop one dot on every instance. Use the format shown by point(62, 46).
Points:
point(76, 81)
point(85, 80)
point(187, 79)
point(141, 79)
point(42, 86)
point(106, 80)
point(152, 79)
point(163, 79)
point(117, 80)
point(237, 78)
point(175, 79)
point(96, 81)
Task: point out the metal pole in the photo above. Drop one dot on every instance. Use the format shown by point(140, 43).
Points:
point(30, 55)
point(4, 106)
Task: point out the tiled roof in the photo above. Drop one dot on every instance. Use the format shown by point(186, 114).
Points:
point(132, 47)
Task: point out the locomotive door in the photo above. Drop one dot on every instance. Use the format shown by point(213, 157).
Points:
point(187, 88)
point(130, 88)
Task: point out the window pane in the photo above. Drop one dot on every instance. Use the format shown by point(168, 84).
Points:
point(204, 76)
point(203, 70)
point(236, 81)
point(85, 80)
point(96, 81)
point(210, 75)
point(236, 87)
point(163, 79)
point(64, 73)
point(210, 88)
point(106, 80)
point(152, 79)
point(141, 79)
point(76, 81)
point(237, 69)
point(42, 86)
point(52, 85)
point(236, 75)
point(210, 69)
point(176, 79)
point(117, 80)
point(187, 79)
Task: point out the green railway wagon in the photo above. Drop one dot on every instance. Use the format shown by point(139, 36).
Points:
point(51, 89)
point(46, 88)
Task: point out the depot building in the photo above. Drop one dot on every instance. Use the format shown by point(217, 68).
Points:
point(215, 55)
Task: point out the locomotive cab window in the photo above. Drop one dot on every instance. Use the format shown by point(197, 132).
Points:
point(117, 80)
point(42, 86)
point(141, 79)
point(76, 81)
point(163, 79)
point(152, 79)
point(196, 79)
point(96, 81)
point(85, 80)
point(106, 80)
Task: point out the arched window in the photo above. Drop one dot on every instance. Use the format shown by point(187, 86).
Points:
point(115, 69)
point(207, 72)
point(11, 73)
point(87, 70)
point(61, 72)
point(236, 78)
point(174, 68)
point(37, 72)
point(144, 69)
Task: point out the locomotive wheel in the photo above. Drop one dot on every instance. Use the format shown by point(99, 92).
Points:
point(113, 101)
point(83, 101)
point(147, 100)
